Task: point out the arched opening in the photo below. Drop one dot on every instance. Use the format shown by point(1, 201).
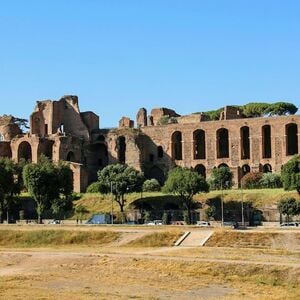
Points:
point(266, 141)
point(177, 145)
point(24, 152)
point(245, 142)
point(160, 152)
point(200, 169)
point(170, 206)
point(222, 143)
point(291, 131)
point(199, 144)
point(1, 137)
point(245, 169)
point(121, 149)
point(71, 156)
point(267, 168)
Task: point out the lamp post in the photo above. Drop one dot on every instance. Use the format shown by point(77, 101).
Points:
point(243, 220)
point(222, 205)
point(112, 203)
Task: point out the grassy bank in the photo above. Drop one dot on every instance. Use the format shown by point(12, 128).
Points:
point(50, 238)
point(96, 203)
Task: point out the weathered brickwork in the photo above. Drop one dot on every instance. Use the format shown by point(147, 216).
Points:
point(60, 131)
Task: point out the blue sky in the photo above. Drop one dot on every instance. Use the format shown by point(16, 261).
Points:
point(118, 56)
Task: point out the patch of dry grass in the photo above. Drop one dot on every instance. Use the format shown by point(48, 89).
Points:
point(238, 239)
point(157, 239)
point(48, 238)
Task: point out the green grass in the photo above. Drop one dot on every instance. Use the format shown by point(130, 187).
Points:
point(96, 203)
point(42, 238)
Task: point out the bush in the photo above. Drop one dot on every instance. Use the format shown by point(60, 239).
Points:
point(95, 187)
point(270, 180)
point(290, 174)
point(151, 185)
point(252, 180)
point(221, 178)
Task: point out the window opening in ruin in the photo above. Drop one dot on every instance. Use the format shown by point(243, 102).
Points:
point(291, 131)
point(100, 162)
point(121, 149)
point(24, 151)
point(267, 168)
point(160, 152)
point(46, 129)
point(151, 157)
point(1, 137)
point(222, 143)
point(266, 141)
point(177, 145)
point(245, 142)
point(200, 169)
point(245, 169)
point(199, 144)
point(71, 156)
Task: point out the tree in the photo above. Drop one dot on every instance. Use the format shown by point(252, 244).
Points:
point(281, 109)
point(120, 179)
point(289, 207)
point(10, 185)
point(290, 174)
point(270, 180)
point(185, 183)
point(42, 181)
point(151, 185)
point(221, 178)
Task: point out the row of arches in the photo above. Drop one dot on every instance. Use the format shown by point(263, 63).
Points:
point(222, 142)
point(266, 168)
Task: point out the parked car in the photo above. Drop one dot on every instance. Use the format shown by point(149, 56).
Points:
point(293, 224)
point(54, 221)
point(155, 222)
point(203, 224)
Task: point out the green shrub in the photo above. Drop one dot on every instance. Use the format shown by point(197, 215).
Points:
point(221, 178)
point(94, 187)
point(270, 180)
point(151, 185)
point(290, 174)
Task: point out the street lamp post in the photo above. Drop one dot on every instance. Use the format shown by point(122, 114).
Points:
point(243, 220)
point(112, 203)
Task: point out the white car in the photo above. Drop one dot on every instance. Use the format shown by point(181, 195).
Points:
point(203, 224)
point(294, 224)
point(155, 222)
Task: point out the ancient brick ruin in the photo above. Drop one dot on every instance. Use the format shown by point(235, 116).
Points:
point(159, 142)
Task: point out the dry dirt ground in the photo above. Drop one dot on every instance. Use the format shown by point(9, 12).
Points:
point(119, 272)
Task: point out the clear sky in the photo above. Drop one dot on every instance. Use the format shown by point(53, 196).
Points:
point(118, 56)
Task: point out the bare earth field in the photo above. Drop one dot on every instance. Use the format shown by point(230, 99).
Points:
point(140, 263)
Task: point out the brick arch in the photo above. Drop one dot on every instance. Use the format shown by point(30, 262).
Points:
point(24, 151)
point(222, 143)
point(200, 169)
point(176, 140)
point(291, 133)
point(245, 142)
point(199, 144)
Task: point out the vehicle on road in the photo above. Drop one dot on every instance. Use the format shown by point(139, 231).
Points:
point(54, 221)
point(155, 222)
point(293, 224)
point(203, 224)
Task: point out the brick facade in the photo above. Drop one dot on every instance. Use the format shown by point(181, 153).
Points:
point(59, 131)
